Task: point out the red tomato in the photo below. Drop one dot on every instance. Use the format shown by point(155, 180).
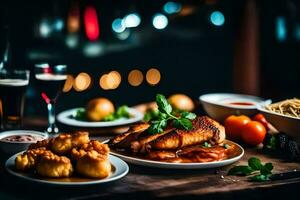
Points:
point(253, 133)
point(233, 126)
point(260, 118)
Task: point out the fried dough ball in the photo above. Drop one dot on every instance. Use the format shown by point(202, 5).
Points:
point(54, 166)
point(94, 165)
point(93, 145)
point(80, 138)
point(63, 143)
point(30, 158)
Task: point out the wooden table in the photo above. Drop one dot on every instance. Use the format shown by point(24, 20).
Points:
point(147, 183)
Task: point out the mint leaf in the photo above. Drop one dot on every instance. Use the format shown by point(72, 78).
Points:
point(188, 115)
point(241, 170)
point(255, 163)
point(260, 178)
point(267, 169)
point(183, 123)
point(163, 104)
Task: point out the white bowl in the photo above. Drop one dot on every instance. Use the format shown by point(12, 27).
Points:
point(287, 124)
point(11, 148)
point(218, 107)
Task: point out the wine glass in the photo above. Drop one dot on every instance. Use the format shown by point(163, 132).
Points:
point(50, 81)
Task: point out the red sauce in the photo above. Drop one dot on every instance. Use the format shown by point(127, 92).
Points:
point(242, 104)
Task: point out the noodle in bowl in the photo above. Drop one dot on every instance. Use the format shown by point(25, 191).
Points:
point(284, 116)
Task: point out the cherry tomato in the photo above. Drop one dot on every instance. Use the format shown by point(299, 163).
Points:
point(233, 126)
point(260, 118)
point(253, 133)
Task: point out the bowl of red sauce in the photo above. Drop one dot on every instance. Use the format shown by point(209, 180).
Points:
point(12, 142)
point(221, 105)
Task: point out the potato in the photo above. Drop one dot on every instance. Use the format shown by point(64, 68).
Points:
point(99, 108)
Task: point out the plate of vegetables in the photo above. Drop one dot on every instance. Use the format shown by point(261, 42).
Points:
point(98, 113)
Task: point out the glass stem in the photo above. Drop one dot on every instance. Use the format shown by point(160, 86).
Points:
point(51, 118)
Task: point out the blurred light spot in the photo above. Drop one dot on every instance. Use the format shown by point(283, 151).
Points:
point(91, 23)
point(68, 84)
point(160, 21)
point(124, 35)
point(187, 10)
point(153, 76)
point(280, 28)
point(132, 20)
point(73, 22)
point(135, 77)
point(93, 49)
point(217, 18)
point(118, 25)
point(110, 81)
point(45, 29)
point(82, 82)
point(72, 40)
point(59, 24)
point(172, 7)
point(297, 32)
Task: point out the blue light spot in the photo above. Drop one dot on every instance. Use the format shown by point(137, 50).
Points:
point(118, 25)
point(160, 21)
point(297, 32)
point(217, 18)
point(280, 29)
point(172, 7)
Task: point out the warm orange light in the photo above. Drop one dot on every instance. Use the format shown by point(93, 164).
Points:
point(82, 82)
point(73, 22)
point(110, 81)
point(153, 76)
point(68, 84)
point(135, 77)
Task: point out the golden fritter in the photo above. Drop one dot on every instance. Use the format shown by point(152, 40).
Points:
point(54, 166)
point(63, 143)
point(94, 165)
point(29, 159)
point(93, 145)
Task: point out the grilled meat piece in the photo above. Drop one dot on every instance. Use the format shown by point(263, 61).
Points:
point(124, 140)
point(145, 138)
point(204, 129)
point(161, 155)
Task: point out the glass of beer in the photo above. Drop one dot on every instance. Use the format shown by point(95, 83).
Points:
point(13, 84)
point(50, 81)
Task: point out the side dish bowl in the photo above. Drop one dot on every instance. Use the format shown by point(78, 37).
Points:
point(13, 147)
point(283, 123)
point(220, 105)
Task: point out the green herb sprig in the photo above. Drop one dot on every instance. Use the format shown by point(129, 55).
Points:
point(260, 172)
point(183, 121)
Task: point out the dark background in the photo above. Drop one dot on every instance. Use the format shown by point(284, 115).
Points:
point(193, 55)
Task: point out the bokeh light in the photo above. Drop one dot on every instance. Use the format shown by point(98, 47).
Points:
point(82, 82)
point(172, 7)
point(132, 20)
point(135, 77)
point(110, 81)
point(45, 28)
point(160, 21)
point(217, 18)
point(118, 25)
point(68, 84)
point(153, 76)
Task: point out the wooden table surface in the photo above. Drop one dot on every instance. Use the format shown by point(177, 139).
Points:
point(148, 183)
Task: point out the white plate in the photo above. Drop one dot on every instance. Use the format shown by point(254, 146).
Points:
point(167, 165)
point(121, 169)
point(65, 117)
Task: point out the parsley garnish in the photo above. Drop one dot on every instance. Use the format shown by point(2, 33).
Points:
point(183, 121)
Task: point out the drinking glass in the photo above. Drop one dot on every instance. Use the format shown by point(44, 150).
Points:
point(13, 85)
point(50, 81)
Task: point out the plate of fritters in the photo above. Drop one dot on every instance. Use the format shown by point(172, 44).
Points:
point(204, 146)
point(68, 159)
